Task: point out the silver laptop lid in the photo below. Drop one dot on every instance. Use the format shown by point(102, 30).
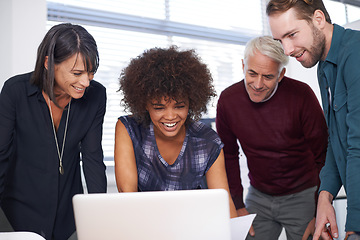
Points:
point(166, 215)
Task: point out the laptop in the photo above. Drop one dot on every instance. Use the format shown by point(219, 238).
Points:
point(163, 215)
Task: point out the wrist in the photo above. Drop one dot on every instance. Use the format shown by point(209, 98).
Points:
point(325, 196)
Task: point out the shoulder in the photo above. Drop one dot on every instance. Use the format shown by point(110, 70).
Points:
point(19, 85)
point(345, 42)
point(127, 120)
point(293, 93)
point(350, 37)
point(232, 90)
point(96, 87)
point(200, 131)
point(18, 80)
point(96, 84)
point(231, 96)
point(295, 86)
point(134, 128)
point(350, 46)
point(95, 93)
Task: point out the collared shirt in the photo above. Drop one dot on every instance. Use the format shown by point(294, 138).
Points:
point(200, 150)
point(33, 195)
point(339, 75)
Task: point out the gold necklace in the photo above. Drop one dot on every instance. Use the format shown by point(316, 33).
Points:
point(61, 168)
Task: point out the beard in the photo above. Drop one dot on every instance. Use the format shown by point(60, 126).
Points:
point(316, 51)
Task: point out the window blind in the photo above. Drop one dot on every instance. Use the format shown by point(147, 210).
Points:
point(217, 30)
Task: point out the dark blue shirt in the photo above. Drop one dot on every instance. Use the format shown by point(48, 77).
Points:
point(33, 195)
point(339, 80)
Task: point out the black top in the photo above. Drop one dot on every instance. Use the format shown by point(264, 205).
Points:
point(33, 195)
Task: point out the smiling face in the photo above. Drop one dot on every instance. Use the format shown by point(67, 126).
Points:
point(71, 77)
point(300, 39)
point(261, 76)
point(168, 117)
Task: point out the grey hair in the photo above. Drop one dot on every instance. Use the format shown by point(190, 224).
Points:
point(269, 47)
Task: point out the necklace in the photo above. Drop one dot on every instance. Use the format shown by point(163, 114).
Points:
point(61, 168)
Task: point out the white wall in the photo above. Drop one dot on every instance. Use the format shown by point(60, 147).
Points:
point(23, 25)
point(353, 25)
point(308, 75)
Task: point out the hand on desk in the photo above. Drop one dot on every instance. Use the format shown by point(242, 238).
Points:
point(244, 212)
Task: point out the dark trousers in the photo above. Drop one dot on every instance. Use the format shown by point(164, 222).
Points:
point(292, 212)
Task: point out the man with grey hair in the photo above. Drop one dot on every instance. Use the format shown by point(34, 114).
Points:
point(282, 131)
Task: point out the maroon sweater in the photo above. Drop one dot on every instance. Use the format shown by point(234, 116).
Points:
point(284, 139)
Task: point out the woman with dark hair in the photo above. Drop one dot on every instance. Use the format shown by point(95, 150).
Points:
point(50, 120)
point(162, 146)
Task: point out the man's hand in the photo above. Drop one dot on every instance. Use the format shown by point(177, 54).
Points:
point(325, 215)
point(244, 212)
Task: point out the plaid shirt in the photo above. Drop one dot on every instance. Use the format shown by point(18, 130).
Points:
point(200, 149)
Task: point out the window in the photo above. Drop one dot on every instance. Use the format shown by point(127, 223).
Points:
point(341, 13)
point(217, 30)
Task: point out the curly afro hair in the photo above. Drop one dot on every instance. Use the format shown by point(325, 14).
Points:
point(170, 73)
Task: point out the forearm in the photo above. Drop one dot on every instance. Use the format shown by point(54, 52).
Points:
point(329, 175)
point(216, 179)
point(325, 197)
point(126, 180)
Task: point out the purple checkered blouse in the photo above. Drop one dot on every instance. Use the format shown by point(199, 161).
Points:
point(200, 149)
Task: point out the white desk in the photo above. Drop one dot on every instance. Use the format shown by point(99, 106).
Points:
point(20, 236)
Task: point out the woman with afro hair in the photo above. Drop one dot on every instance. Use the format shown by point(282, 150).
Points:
point(162, 145)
